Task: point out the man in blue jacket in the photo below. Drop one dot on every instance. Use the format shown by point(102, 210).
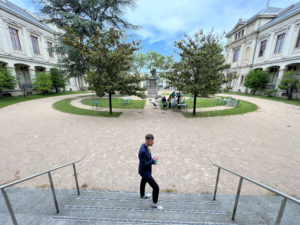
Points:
point(145, 170)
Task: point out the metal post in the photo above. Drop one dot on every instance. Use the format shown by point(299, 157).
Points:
point(217, 181)
point(237, 198)
point(9, 207)
point(282, 206)
point(76, 181)
point(53, 192)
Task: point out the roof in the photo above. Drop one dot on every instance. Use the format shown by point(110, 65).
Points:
point(268, 11)
point(14, 9)
point(293, 9)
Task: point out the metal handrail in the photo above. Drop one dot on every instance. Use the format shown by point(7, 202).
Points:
point(242, 177)
point(10, 209)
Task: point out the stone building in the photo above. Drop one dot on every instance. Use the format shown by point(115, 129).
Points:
point(270, 40)
point(25, 44)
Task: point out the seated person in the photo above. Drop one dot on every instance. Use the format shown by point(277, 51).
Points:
point(164, 101)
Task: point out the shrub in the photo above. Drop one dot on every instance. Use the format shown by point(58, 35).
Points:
point(7, 81)
point(57, 79)
point(256, 80)
point(42, 82)
point(270, 92)
point(290, 82)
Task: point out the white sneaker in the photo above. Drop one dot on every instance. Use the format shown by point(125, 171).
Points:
point(146, 196)
point(155, 205)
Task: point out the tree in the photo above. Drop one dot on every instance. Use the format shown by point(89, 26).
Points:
point(83, 17)
point(42, 82)
point(109, 58)
point(256, 80)
point(201, 66)
point(290, 82)
point(7, 81)
point(57, 78)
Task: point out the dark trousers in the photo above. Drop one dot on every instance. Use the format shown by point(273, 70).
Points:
point(154, 186)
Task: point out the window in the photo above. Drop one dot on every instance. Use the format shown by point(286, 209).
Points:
point(236, 55)
point(35, 45)
point(235, 36)
point(279, 43)
point(242, 33)
point(14, 36)
point(50, 48)
point(298, 41)
point(262, 49)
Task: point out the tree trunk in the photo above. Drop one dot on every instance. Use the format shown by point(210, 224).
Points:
point(56, 89)
point(289, 93)
point(195, 103)
point(110, 105)
point(0, 94)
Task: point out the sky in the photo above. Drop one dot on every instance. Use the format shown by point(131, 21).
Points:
point(164, 21)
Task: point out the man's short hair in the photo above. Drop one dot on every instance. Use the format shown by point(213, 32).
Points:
point(149, 136)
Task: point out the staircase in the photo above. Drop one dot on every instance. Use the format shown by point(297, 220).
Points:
point(33, 206)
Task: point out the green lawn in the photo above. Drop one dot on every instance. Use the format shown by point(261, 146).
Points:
point(6, 101)
point(65, 106)
point(116, 103)
point(244, 107)
point(292, 102)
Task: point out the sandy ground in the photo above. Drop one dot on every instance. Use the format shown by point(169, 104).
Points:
point(263, 145)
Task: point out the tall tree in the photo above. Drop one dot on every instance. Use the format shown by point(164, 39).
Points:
point(83, 17)
point(256, 80)
point(201, 66)
point(7, 81)
point(290, 82)
point(110, 58)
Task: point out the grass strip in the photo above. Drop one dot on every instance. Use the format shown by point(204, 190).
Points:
point(116, 103)
point(6, 101)
point(65, 106)
point(291, 102)
point(243, 107)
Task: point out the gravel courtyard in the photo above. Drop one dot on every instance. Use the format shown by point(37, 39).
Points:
point(263, 145)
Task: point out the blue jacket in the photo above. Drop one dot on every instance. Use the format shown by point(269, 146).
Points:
point(146, 161)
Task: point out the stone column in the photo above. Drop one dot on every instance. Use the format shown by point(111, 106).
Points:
point(32, 74)
point(280, 75)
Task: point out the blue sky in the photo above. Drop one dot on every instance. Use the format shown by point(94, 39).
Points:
point(165, 21)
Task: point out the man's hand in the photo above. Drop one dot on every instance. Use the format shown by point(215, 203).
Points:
point(155, 157)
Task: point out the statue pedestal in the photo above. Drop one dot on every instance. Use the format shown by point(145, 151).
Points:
point(152, 92)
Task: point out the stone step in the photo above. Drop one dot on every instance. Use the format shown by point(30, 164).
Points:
point(109, 221)
point(148, 213)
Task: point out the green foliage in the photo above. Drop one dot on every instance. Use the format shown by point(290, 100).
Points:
point(84, 17)
point(270, 92)
point(57, 79)
point(42, 82)
point(201, 66)
point(65, 106)
point(256, 80)
point(290, 82)
point(109, 58)
point(7, 81)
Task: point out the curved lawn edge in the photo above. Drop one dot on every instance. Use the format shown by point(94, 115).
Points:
point(7, 101)
point(116, 103)
point(244, 107)
point(65, 106)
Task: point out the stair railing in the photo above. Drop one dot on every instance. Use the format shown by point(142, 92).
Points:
point(242, 177)
point(3, 187)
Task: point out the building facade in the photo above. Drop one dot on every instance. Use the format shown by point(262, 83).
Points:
point(25, 47)
point(270, 41)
